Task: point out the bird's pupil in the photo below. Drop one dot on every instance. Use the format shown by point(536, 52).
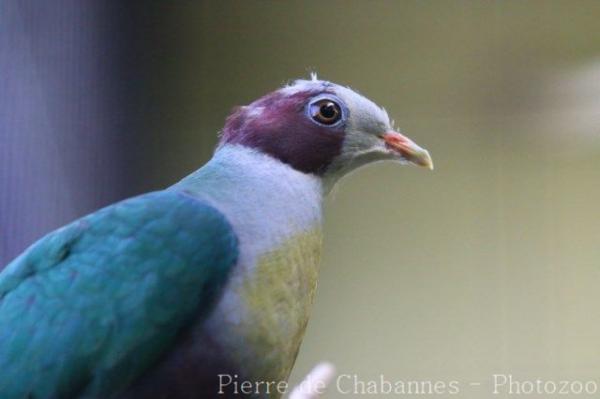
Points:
point(328, 110)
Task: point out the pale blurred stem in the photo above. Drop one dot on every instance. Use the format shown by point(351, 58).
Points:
point(314, 384)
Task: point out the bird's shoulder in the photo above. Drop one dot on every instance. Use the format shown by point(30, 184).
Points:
point(159, 222)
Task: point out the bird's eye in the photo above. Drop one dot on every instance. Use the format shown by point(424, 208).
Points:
point(325, 111)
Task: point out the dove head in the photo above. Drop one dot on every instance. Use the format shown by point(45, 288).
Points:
point(321, 128)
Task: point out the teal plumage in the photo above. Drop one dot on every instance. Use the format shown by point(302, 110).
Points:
point(88, 307)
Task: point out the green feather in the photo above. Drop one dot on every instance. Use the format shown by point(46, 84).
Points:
point(88, 308)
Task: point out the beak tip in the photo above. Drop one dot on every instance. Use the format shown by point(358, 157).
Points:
point(429, 162)
point(426, 160)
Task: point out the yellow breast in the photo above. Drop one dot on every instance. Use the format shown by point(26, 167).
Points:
point(279, 296)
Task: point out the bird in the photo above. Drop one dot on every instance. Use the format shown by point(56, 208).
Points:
point(189, 291)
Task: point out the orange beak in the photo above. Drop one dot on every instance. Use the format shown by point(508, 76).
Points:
point(408, 149)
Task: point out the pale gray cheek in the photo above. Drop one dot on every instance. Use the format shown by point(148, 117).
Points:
point(359, 140)
point(359, 149)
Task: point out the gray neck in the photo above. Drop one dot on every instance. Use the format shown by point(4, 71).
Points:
point(265, 200)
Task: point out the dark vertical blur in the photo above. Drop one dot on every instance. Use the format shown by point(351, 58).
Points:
point(68, 74)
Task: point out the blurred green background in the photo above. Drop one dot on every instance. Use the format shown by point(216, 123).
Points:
point(490, 263)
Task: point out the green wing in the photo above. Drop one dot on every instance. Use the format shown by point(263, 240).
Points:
point(89, 307)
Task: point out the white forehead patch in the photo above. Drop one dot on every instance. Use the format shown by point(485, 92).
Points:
point(255, 112)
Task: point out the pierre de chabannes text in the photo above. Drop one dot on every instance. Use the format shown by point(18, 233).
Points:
point(353, 384)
